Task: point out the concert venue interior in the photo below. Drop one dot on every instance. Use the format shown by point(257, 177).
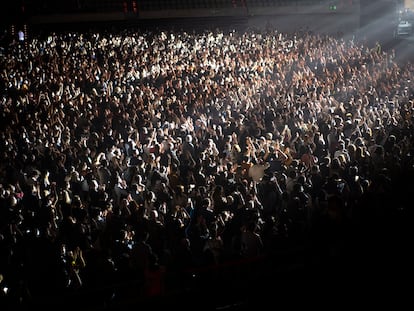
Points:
point(205, 154)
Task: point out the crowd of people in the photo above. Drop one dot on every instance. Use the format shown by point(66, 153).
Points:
point(131, 156)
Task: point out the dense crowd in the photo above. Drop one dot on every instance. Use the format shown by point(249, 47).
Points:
point(128, 154)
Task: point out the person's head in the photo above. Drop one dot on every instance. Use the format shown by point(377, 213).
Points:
point(206, 203)
point(351, 148)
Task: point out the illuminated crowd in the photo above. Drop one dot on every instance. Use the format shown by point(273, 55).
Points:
point(126, 154)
